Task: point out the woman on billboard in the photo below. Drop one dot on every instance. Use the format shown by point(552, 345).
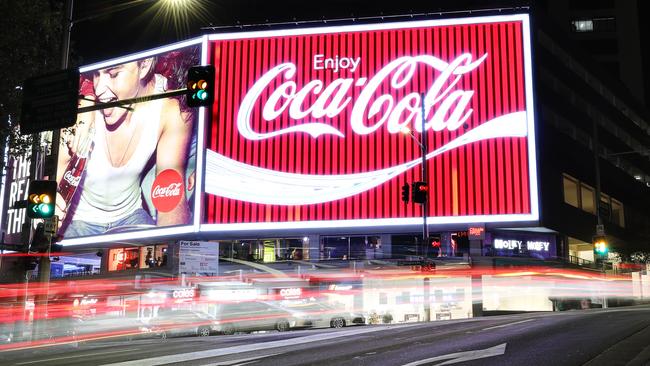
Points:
point(102, 165)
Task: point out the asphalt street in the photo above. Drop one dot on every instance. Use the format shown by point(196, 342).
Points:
point(616, 336)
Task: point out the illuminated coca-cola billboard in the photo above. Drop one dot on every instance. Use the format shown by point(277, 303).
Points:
point(129, 171)
point(306, 126)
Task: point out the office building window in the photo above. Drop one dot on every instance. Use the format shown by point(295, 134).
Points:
point(570, 190)
point(583, 25)
point(587, 198)
point(582, 5)
point(618, 216)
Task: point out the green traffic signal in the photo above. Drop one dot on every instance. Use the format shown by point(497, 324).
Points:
point(200, 86)
point(41, 199)
point(600, 246)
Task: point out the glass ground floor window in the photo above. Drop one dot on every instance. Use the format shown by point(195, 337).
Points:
point(350, 247)
point(265, 250)
point(440, 244)
point(150, 256)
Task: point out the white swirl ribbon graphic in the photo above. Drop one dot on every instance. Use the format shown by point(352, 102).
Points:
point(229, 178)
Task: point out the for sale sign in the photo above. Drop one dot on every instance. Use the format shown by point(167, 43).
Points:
point(198, 257)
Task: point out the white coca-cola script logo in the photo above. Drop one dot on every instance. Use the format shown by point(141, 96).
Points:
point(71, 179)
point(447, 106)
point(171, 190)
point(332, 99)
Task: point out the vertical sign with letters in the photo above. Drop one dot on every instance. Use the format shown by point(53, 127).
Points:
point(16, 184)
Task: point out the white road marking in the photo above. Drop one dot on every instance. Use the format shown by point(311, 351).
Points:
point(162, 360)
point(241, 361)
point(463, 356)
point(77, 356)
point(509, 324)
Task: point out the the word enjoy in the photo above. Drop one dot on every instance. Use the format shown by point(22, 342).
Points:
point(335, 63)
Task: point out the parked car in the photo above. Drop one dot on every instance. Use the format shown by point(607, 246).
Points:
point(174, 323)
point(253, 316)
point(323, 315)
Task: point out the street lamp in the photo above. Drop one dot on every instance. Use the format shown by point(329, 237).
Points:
point(422, 143)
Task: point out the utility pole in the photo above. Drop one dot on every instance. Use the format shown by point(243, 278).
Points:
point(425, 205)
point(38, 162)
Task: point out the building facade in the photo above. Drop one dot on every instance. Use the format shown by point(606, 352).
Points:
point(301, 156)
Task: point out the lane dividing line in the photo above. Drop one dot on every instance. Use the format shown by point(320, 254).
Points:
point(241, 361)
point(458, 357)
point(190, 356)
point(509, 324)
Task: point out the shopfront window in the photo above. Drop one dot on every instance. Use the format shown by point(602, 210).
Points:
point(295, 249)
point(350, 247)
point(238, 249)
point(264, 250)
point(150, 256)
point(121, 259)
point(153, 256)
point(404, 245)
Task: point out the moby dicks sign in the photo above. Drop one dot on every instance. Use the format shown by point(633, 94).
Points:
point(306, 126)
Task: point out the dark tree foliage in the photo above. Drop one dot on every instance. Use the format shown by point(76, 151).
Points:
point(30, 45)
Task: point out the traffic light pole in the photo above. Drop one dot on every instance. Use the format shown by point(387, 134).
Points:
point(425, 205)
point(596, 148)
point(42, 296)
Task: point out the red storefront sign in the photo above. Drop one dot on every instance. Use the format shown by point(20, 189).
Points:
point(305, 129)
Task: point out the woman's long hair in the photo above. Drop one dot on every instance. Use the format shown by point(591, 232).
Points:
point(174, 65)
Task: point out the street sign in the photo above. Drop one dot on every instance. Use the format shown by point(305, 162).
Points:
point(50, 102)
point(51, 225)
point(600, 230)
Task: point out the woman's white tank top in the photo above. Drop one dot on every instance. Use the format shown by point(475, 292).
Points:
point(109, 193)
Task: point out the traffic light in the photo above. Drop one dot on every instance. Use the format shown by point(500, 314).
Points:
point(30, 263)
point(40, 241)
point(420, 192)
point(54, 246)
point(406, 193)
point(600, 246)
point(435, 243)
point(41, 196)
point(200, 86)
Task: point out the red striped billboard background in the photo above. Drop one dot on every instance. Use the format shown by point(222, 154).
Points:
point(488, 177)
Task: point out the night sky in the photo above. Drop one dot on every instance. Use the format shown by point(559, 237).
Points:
point(143, 26)
point(106, 29)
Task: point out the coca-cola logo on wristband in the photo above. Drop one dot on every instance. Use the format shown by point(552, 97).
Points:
point(167, 189)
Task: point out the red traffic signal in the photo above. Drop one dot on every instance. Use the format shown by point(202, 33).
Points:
point(420, 192)
point(406, 193)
